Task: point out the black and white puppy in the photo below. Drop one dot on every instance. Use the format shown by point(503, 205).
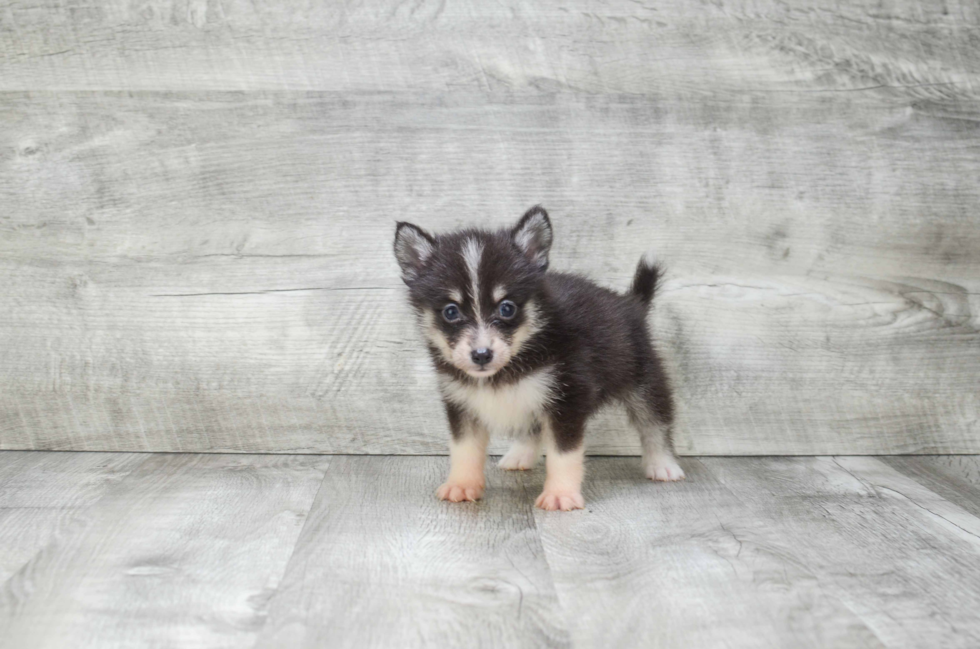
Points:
point(529, 354)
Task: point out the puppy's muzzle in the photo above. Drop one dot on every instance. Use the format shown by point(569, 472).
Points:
point(481, 356)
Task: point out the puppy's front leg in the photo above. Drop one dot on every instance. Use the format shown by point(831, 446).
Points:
point(467, 455)
point(565, 464)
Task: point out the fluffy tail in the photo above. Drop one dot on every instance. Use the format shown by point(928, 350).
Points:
point(645, 280)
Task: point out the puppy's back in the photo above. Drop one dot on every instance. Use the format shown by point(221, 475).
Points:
point(601, 331)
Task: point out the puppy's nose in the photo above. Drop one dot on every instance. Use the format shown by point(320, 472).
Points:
point(481, 356)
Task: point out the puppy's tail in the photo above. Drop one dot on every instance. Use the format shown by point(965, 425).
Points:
point(645, 280)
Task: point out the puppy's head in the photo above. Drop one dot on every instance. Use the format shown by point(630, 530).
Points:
point(474, 289)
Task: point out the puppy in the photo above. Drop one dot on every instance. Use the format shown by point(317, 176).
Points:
point(531, 355)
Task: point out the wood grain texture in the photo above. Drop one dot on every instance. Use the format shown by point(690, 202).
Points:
point(207, 550)
point(765, 552)
point(954, 477)
point(199, 203)
point(514, 46)
point(896, 554)
point(684, 565)
point(383, 563)
point(185, 551)
point(41, 494)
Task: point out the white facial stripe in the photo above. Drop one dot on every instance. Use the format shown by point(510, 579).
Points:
point(482, 337)
point(472, 254)
point(499, 293)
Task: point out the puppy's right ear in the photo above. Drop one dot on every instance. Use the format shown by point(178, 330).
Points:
point(532, 234)
point(413, 247)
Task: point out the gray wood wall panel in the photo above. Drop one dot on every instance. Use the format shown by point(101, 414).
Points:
point(580, 46)
point(198, 206)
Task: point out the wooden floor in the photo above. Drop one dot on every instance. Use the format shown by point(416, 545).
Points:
point(186, 550)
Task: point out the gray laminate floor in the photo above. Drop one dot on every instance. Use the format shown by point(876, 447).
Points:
point(135, 550)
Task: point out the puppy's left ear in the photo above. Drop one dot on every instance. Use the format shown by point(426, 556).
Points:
point(532, 235)
point(413, 247)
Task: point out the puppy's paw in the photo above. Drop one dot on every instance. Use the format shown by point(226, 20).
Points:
point(664, 468)
point(519, 458)
point(458, 492)
point(563, 499)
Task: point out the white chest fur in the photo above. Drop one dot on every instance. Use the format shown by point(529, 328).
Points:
point(506, 410)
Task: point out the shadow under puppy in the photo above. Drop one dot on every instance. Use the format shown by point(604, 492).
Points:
point(531, 355)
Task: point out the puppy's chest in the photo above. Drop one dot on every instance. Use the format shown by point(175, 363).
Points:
point(505, 410)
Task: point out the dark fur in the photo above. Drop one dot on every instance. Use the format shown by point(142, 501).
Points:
point(596, 339)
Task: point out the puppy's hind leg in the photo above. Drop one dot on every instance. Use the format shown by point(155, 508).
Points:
point(651, 413)
point(524, 451)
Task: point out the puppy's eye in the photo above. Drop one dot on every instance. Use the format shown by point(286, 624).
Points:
point(451, 313)
point(507, 309)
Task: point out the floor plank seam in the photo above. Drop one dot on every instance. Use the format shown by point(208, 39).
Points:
point(533, 520)
point(926, 509)
point(292, 553)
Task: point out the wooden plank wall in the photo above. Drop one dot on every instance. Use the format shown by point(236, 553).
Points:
point(197, 202)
